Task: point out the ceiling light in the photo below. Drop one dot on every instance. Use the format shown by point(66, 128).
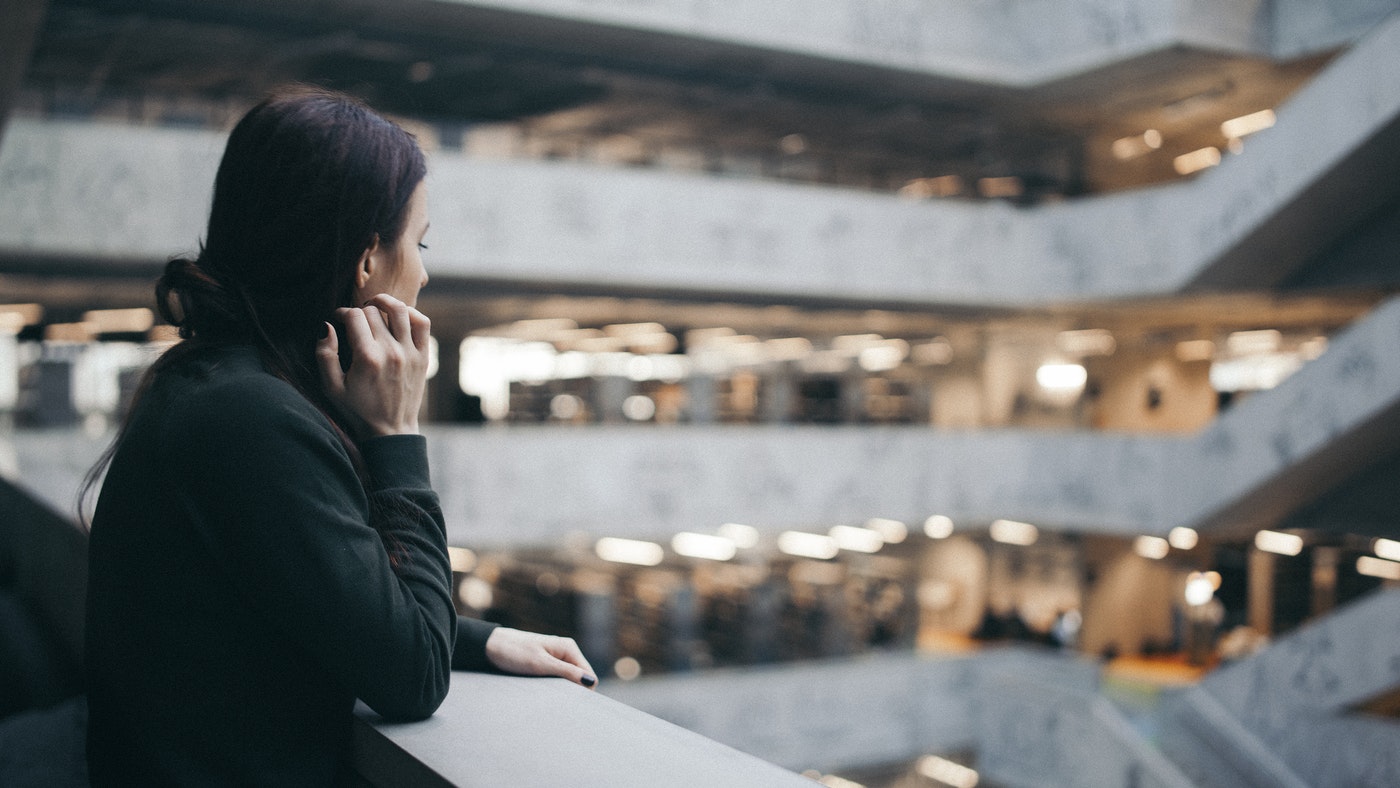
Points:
point(938, 526)
point(629, 551)
point(1087, 342)
point(1013, 532)
point(1151, 547)
point(1378, 567)
point(800, 543)
point(1388, 549)
point(1196, 160)
point(1245, 125)
point(693, 545)
point(859, 540)
point(1182, 538)
point(1195, 350)
point(1277, 542)
point(1061, 377)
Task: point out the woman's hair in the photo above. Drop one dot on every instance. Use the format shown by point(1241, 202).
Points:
point(310, 179)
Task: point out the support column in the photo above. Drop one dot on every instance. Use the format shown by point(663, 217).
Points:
point(1261, 591)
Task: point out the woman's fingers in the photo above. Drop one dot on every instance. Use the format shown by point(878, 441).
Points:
point(533, 654)
point(396, 315)
point(328, 359)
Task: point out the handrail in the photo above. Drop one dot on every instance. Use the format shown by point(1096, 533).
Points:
point(503, 730)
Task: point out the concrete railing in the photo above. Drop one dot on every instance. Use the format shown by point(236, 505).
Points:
point(111, 194)
point(1285, 717)
point(1031, 717)
point(540, 733)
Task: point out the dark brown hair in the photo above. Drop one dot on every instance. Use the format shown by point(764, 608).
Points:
point(309, 180)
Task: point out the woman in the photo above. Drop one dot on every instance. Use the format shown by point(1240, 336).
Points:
point(266, 547)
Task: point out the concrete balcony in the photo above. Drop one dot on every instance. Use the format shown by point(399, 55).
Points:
point(99, 195)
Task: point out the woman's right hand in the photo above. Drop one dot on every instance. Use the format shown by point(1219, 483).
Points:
point(383, 388)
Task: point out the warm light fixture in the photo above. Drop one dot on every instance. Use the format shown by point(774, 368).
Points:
point(1195, 350)
point(947, 772)
point(1388, 549)
point(1245, 125)
point(693, 545)
point(1250, 343)
point(1151, 547)
point(1125, 148)
point(1378, 567)
point(1196, 160)
point(1087, 342)
point(135, 321)
point(1182, 538)
point(462, 559)
point(1199, 589)
point(892, 531)
point(1277, 542)
point(629, 551)
point(743, 536)
point(805, 545)
point(857, 540)
point(1061, 377)
point(1013, 532)
point(939, 526)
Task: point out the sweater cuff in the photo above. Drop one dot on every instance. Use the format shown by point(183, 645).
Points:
point(469, 652)
point(396, 461)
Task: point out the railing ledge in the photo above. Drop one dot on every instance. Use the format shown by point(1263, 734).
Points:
point(503, 730)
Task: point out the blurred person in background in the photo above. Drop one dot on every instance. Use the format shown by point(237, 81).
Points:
point(266, 547)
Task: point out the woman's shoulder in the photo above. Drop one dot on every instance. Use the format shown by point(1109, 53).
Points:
point(228, 389)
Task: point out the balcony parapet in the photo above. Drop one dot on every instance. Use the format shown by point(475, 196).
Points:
point(505, 730)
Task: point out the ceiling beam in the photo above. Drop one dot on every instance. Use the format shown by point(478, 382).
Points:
point(23, 18)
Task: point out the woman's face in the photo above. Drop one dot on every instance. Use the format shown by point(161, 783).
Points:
point(398, 269)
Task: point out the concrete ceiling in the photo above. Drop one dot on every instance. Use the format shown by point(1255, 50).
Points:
point(574, 89)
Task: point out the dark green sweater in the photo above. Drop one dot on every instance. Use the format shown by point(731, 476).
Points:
point(240, 594)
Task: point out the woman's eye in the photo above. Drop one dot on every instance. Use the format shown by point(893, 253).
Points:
point(422, 246)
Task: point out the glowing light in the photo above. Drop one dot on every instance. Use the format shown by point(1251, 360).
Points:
point(793, 144)
point(1248, 343)
point(1276, 542)
point(892, 531)
point(1254, 373)
point(938, 526)
point(1196, 160)
point(14, 317)
point(1151, 547)
point(1388, 549)
point(1087, 342)
point(68, 332)
point(787, 349)
point(743, 536)
point(948, 772)
point(1199, 589)
point(639, 407)
point(859, 540)
point(1183, 538)
point(1378, 567)
point(807, 545)
point(629, 551)
point(1125, 148)
point(833, 781)
point(1244, 125)
point(1195, 350)
point(1005, 186)
point(627, 668)
point(565, 407)
point(1061, 377)
point(463, 560)
point(884, 356)
point(923, 188)
point(476, 593)
point(134, 321)
point(1013, 532)
point(693, 545)
point(934, 352)
point(1312, 348)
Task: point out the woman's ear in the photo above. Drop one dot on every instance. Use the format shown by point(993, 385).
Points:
point(369, 263)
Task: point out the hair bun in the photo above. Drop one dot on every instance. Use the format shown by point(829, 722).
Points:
point(194, 301)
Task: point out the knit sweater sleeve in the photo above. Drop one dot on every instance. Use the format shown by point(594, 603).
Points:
point(275, 499)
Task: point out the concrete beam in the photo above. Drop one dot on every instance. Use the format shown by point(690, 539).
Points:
point(20, 31)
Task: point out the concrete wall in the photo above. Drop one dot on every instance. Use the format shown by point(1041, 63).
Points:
point(104, 192)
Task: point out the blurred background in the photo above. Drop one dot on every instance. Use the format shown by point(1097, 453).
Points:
point(1022, 363)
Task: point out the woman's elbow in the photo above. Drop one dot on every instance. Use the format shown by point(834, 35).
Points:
point(415, 700)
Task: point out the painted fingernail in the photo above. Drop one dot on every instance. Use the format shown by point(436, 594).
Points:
point(588, 681)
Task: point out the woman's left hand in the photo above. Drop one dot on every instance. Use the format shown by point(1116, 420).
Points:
point(533, 654)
